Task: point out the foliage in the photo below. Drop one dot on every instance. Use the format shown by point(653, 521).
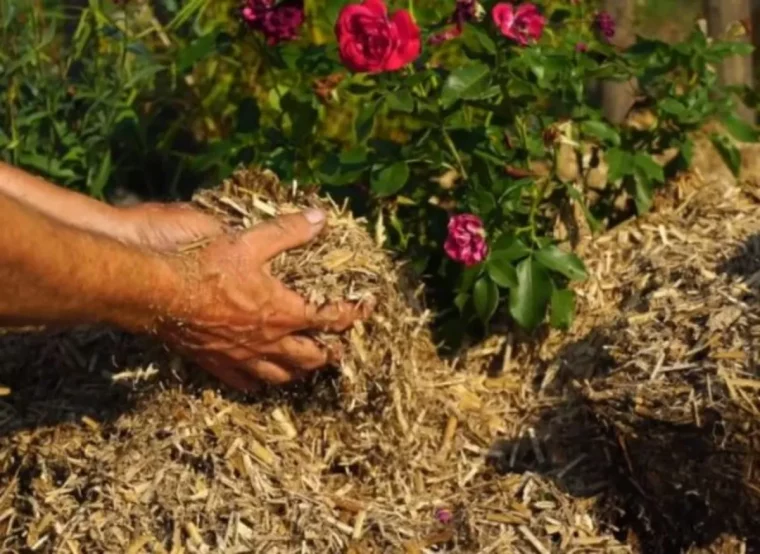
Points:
point(471, 122)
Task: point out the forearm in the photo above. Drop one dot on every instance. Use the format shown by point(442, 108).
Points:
point(51, 273)
point(69, 207)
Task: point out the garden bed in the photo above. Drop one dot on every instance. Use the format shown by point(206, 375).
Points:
point(638, 431)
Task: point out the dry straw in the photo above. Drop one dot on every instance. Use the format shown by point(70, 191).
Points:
point(108, 444)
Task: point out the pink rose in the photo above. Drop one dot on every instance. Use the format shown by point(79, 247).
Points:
point(520, 24)
point(466, 241)
point(371, 42)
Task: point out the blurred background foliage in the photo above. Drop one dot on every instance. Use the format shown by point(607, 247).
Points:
point(163, 96)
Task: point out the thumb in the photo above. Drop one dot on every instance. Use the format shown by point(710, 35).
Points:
point(285, 232)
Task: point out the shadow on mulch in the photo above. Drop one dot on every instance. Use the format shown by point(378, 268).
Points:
point(664, 486)
point(66, 377)
point(745, 263)
point(63, 377)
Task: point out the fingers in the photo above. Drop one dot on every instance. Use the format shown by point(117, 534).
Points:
point(273, 373)
point(250, 376)
point(302, 353)
point(298, 315)
point(285, 232)
point(232, 377)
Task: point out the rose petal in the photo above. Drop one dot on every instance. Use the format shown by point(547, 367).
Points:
point(409, 42)
point(503, 15)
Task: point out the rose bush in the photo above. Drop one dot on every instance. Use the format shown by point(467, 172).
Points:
point(474, 188)
point(464, 131)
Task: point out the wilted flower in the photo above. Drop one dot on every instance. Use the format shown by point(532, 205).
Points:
point(277, 23)
point(465, 11)
point(520, 24)
point(466, 241)
point(605, 24)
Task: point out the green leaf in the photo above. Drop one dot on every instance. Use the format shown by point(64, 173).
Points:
point(478, 40)
point(467, 81)
point(365, 120)
point(400, 101)
point(642, 193)
point(601, 131)
point(673, 107)
point(562, 309)
point(650, 168)
point(687, 151)
point(485, 298)
point(354, 156)
point(527, 303)
point(98, 181)
point(729, 152)
point(722, 49)
point(509, 248)
point(390, 179)
point(501, 271)
point(619, 162)
point(46, 164)
point(460, 301)
point(566, 263)
point(739, 129)
point(196, 51)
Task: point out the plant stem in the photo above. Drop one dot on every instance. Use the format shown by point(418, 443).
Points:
point(454, 152)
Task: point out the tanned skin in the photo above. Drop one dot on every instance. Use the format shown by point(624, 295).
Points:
point(66, 259)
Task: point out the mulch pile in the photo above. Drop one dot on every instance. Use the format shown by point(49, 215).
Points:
point(580, 442)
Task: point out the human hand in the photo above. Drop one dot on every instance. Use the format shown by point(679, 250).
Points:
point(241, 324)
point(164, 227)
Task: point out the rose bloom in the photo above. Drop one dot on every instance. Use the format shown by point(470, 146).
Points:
point(282, 23)
point(466, 241)
point(605, 24)
point(369, 41)
point(277, 23)
point(520, 24)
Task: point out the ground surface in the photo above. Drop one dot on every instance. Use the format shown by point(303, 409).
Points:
point(636, 432)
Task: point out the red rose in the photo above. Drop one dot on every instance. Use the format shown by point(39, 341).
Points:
point(371, 42)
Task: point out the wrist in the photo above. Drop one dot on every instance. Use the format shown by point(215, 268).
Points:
point(143, 309)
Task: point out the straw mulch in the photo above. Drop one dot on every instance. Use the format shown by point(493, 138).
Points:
point(658, 386)
point(110, 444)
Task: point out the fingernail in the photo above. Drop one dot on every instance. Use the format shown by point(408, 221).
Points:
point(315, 217)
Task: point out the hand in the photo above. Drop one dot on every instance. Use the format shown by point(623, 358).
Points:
point(164, 227)
point(240, 323)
